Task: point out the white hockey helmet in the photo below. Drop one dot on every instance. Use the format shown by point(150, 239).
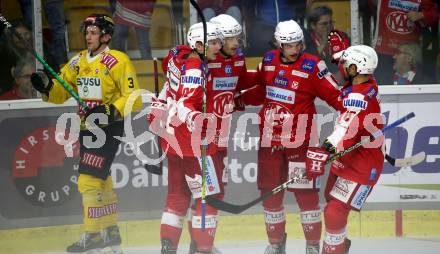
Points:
point(228, 25)
point(195, 33)
point(288, 32)
point(364, 57)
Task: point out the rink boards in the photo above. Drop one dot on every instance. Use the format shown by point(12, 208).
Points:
point(41, 202)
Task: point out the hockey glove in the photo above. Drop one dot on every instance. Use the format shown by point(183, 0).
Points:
point(338, 42)
point(108, 110)
point(315, 161)
point(238, 102)
point(196, 121)
point(156, 110)
point(41, 82)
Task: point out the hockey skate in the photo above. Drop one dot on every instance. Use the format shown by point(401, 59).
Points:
point(167, 247)
point(312, 249)
point(279, 248)
point(89, 243)
point(193, 250)
point(112, 240)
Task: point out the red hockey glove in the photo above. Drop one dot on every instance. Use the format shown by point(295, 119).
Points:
point(338, 42)
point(238, 102)
point(315, 161)
point(196, 121)
point(157, 110)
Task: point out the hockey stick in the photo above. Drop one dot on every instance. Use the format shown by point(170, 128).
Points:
point(40, 59)
point(205, 70)
point(156, 169)
point(236, 209)
point(407, 161)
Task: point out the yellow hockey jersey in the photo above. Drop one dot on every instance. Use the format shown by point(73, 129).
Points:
point(107, 78)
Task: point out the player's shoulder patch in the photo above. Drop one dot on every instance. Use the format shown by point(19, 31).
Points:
point(109, 60)
point(355, 102)
point(268, 57)
point(308, 65)
point(239, 53)
point(74, 61)
point(346, 91)
point(179, 50)
point(371, 93)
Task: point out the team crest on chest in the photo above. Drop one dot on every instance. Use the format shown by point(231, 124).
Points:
point(228, 69)
point(295, 85)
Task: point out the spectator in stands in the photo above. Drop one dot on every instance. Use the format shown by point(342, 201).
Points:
point(137, 14)
point(22, 88)
point(17, 45)
point(399, 21)
point(320, 23)
point(407, 60)
point(212, 8)
point(264, 15)
point(54, 10)
point(12, 50)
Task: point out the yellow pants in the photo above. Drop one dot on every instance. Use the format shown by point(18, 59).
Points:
point(99, 202)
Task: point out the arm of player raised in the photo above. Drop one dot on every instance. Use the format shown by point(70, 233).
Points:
point(430, 12)
point(58, 94)
point(326, 87)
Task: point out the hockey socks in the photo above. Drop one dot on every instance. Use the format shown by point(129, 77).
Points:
point(171, 228)
point(335, 214)
point(310, 215)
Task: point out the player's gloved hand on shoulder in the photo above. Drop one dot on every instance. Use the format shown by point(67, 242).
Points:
point(106, 109)
point(41, 82)
point(238, 102)
point(338, 42)
point(316, 158)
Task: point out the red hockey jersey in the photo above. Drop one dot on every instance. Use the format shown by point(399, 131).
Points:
point(287, 92)
point(360, 117)
point(394, 26)
point(184, 95)
point(227, 76)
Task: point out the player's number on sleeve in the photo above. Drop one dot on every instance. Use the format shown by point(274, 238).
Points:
point(130, 82)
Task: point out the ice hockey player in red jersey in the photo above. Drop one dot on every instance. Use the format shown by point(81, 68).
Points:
point(353, 175)
point(183, 93)
point(227, 75)
point(289, 81)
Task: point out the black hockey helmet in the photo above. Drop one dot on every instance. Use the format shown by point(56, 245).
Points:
point(103, 21)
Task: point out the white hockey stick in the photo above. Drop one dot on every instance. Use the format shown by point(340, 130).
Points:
point(407, 161)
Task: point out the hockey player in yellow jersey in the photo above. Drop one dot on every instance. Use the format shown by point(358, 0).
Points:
point(103, 79)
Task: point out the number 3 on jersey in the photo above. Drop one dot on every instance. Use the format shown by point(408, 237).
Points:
point(131, 82)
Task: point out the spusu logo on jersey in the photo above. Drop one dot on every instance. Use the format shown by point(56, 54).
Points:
point(41, 171)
